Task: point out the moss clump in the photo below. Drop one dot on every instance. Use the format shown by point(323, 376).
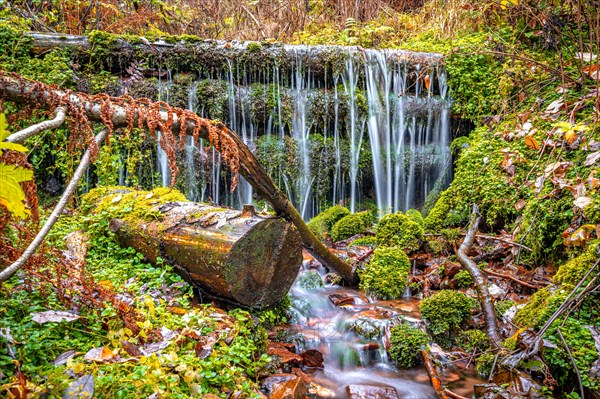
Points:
point(485, 361)
point(574, 270)
point(350, 225)
point(445, 312)
point(540, 307)
point(321, 224)
point(415, 216)
point(406, 344)
point(397, 229)
point(386, 276)
point(368, 241)
point(253, 46)
point(310, 280)
point(463, 279)
point(474, 341)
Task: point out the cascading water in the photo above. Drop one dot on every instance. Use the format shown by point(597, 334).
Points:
point(376, 127)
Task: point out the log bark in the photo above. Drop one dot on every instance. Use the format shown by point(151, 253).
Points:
point(19, 91)
point(213, 54)
point(479, 280)
point(236, 257)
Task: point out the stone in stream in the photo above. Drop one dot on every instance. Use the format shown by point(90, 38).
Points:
point(356, 391)
point(312, 358)
point(282, 351)
point(293, 388)
point(341, 299)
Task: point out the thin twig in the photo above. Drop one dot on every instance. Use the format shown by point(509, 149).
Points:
point(564, 341)
point(62, 203)
point(516, 280)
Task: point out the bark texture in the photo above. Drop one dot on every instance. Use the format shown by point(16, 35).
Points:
point(238, 257)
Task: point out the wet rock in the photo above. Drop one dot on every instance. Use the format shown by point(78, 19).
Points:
point(312, 358)
point(371, 392)
point(496, 291)
point(281, 350)
point(290, 389)
point(451, 269)
point(341, 299)
point(271, 382)
point(320, 392)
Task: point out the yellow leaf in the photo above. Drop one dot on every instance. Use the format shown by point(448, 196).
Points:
point(12, 196)
point(4, 133)
point(532, 143)
point(564, 126)
point(571, 136)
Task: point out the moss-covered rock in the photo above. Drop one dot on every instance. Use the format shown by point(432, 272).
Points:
point(386, 276)
point(415, 216)
point(463, 279)
point(321, 224)
point(444, 313)
point(474, 341)
point(368, 241)
point(350, 225)
point(397, 229)
point(310, 280)
point(406, 345)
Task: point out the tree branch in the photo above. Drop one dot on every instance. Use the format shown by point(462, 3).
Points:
point(69, 191)
point(479, 279)
point(22, 135)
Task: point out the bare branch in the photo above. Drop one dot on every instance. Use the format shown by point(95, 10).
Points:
point(22, 135)
point(62, 203)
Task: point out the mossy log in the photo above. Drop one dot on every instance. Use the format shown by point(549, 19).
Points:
point(237, 257)
point(113, 52)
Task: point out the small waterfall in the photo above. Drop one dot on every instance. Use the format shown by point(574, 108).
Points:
point(371, 127)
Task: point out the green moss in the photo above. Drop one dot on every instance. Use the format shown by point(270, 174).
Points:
point(502, 306)
point(253, 46)
point(474, 341)
point(542, 304)
point(277, 315)
point(574, 270)
point(350, 225)
point(321, 224)
point(415, 216)
point(444, 313)
point(311, 280)
point(406, 345)
point(386, 276)
point(397, 229)
point(463, 279)
point(368, 241)
point(485, 361)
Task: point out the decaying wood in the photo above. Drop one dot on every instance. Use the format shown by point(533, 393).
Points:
point(60, 206)
point(512, 278)
point(479, 280)
point(241, 258)
point(14, 89)
point(435, 380)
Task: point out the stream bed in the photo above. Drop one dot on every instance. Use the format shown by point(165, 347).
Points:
point(351, 330)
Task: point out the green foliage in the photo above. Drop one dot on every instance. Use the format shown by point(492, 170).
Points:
point(367, 241)
point(485, 361)
point(397, 229)
point(542, 304)
point(502, 306)
point(445, 312)
point(386, 276)
point(321, 224)
point(277, 315)
point(415, 216)
point(311, 280)
point(574, 270)
point(463, 279)
point(406, 345)
point(474, 341)
point(350, 225)
point(580, 341)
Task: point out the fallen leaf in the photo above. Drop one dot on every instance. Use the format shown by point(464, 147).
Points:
point(582, 202)
point(520, 204)
point(586, 57)
point(81, 388)
point(53, 316)
point(101, 354)
point(593, 71)
point(571, 136)
point(557, 169)
point(63, 358)
point(427, 80)
point(532, 143)
point(555, 106)
point(117, 198)
point(592, 158)
point(131, 349)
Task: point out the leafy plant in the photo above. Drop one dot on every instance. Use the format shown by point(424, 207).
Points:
point(386, 275)
point(406, 344)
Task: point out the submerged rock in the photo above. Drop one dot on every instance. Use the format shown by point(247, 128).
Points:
point(371, 392)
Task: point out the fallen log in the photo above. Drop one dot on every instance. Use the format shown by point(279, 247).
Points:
point(122, 112)
point(237, 257)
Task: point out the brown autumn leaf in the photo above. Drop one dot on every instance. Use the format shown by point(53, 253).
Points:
point(427, 80)
point(592, 181)
point(520, 204)
point(532, 143)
